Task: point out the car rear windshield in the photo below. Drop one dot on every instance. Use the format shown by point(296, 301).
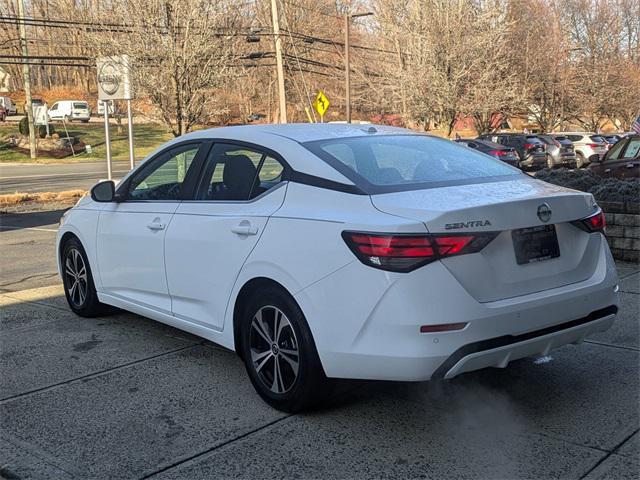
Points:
point(387, 163)
point(80, 105)
point(597, 139)
point(533, 139)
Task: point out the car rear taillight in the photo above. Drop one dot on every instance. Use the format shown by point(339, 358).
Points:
point(499, 153)
point(530, 146)
point(595, 145)
point(405, 252)
point(592, 223)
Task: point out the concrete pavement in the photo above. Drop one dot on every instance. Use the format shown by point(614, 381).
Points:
point(31, 178)
point(125, 397)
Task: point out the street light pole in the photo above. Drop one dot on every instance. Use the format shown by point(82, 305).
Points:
point(347, 62)
point(26, 79)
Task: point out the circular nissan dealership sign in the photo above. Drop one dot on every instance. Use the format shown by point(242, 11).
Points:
point(113, 78)
point(109, 78)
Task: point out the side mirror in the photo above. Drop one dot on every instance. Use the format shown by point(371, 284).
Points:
point(104, 191)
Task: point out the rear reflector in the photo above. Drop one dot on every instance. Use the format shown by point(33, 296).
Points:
point(406, 252)
point(445, 327)
point(592, 223)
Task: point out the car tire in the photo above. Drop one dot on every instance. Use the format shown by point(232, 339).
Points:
point(77, 279)
point(280, 354)
point(580, 162)
point(550, 164)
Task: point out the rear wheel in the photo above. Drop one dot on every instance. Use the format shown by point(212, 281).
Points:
point(550, 163)
point(280, 354)
point(78, 281)
point(580, 162)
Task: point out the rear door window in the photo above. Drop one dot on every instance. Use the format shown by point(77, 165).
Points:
point(237, 173)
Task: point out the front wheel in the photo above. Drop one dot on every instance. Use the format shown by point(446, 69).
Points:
point(78, 281)
point(280, 354)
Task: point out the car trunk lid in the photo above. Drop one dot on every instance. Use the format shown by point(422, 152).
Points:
point(505, 207)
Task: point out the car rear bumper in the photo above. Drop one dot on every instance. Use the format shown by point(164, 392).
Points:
point(366, 323)
point(499, 351)
point(535, 161)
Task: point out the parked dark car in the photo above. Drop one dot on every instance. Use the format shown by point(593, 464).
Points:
point(506, 154)
point(622, 160)
point(3, 114)
point(529, 147)
point(560, 151)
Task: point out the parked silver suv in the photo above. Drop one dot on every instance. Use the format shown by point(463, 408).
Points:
point(560, 151)
point(589, 147)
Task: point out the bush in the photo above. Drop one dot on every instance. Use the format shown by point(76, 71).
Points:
point(41, 132)
point(602, 188)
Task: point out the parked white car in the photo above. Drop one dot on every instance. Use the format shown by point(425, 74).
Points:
point(70, 110)
point(589, 147)
point(8, 105)
point(342, 251)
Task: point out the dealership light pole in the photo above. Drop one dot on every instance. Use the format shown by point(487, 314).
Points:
point(26, 79)
point(347, 63)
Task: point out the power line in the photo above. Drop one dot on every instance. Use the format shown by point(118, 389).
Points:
point(221, 31)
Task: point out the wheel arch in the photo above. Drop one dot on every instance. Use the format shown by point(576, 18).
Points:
point(244, 294)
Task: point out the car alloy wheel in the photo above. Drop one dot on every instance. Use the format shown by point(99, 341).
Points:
point(274, 349)
point(75, 272)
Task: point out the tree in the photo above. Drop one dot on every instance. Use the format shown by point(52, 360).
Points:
point(452, 59)
point(181, 51)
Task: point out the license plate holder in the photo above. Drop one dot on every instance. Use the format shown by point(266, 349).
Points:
point(535, 244)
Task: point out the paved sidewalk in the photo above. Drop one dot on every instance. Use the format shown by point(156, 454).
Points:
point(125, 397)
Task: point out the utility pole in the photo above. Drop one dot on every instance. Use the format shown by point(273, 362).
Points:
point(26, 79)
point(347, 63)
point(347, 67)
point(282, 100)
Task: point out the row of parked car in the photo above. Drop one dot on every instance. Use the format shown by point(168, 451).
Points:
point(564, 149)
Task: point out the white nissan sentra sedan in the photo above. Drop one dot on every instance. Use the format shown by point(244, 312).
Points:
point(340, 251)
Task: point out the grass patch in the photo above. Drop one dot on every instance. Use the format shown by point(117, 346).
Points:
point(147, 137)
point(17, 198)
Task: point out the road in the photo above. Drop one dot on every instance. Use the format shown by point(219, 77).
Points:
point(125, 397)
point(31, 178)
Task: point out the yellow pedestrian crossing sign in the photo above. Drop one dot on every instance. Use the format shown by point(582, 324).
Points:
point(321, 103)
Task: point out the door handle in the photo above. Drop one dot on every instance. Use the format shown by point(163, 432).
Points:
point(245, 229)
point(607, 170)
point(156, 226)
point(630, 165)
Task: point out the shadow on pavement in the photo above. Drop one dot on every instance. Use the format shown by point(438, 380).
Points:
point(14, 221)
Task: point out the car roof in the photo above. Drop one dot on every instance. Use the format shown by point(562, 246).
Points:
point(302, 132)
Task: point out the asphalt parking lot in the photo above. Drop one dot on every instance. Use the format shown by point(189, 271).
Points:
point(123, 397)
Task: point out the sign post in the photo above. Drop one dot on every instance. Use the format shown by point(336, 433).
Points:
point(321, 104)
point(114, 84)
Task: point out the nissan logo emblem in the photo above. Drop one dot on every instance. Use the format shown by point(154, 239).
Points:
point(109, 78)
point(544, 212)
